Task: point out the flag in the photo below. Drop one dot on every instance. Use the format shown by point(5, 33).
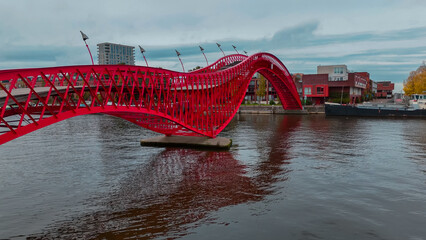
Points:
point(84, 36)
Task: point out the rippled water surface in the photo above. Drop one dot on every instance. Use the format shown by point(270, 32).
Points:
point(286, 177)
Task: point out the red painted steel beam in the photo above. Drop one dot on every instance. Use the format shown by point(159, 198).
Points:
point(199, 103)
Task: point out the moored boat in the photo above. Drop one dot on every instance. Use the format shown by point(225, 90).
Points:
point(416, 108)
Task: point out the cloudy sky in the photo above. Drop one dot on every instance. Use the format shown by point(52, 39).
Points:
point(384, 37)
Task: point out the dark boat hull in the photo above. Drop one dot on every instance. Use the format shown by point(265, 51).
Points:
point(348, 110)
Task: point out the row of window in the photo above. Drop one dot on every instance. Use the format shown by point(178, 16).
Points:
point(308, 90)
point(337, 78)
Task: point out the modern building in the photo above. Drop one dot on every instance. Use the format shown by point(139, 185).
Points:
point(111, 53)
point(384, 89)
point(335, 72)
point(332, 83)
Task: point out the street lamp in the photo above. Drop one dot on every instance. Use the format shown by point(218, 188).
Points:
point(202, 50)
point(142, 51)
point(235, 48)
point(178, 55)
point(245, 53)
point(218, 45)
point(85, 37)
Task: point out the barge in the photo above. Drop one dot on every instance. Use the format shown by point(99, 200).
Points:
point(416, 108)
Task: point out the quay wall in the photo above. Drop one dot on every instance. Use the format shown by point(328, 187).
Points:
point(278, 109)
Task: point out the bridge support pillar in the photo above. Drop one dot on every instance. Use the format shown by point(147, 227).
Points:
point(219, 143)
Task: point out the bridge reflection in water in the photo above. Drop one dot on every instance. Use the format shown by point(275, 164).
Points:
point(178, 190)
point(287, 177)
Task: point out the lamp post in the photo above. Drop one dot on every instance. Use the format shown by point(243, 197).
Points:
point(202, 50)
point(235, 48)
point(218, 45)
point(142, 51)
point(178, 55)
point(85, 37)
point(245, 53)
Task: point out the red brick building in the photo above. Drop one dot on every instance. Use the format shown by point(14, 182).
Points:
point(333, 82)
point(270, 93)
point(384, 89)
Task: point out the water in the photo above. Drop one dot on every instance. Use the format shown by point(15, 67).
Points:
point(286, 177)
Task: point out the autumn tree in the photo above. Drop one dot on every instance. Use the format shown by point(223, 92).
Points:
point(416, 82)
point(261, 89)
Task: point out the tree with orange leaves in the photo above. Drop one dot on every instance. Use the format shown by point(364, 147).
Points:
point(416, 82)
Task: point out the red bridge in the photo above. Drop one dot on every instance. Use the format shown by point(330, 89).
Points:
point(199, 103)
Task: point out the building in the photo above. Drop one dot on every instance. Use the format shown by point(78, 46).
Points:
point(111, 53)
point(374, 87)
point(270, 93)
point(335, 72)
point(384, 89)
point(5, 84)
point(332, 83)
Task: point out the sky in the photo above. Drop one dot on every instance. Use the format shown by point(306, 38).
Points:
point(386, 38)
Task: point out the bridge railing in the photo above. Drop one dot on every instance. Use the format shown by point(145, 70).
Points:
point(169, 102)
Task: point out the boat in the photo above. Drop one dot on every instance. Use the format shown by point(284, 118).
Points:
point(416, 108)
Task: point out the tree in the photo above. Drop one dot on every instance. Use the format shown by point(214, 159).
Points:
point(261, 89)
point(196, 68)
point(416, 82)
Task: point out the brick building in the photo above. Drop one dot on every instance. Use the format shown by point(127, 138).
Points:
point(384, 89)
point(331, 83)
point(270, 93)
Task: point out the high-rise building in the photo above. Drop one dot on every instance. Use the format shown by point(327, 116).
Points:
point(111, 53)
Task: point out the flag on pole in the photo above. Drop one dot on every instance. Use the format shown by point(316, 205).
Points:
point(84, 36)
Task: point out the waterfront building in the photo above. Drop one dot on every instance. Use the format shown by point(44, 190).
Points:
point(332, 83)
point(270, 93)
point(374, 87)
point(111, 53)
point(385, 89)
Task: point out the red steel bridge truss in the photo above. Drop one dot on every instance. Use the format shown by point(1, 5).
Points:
point(199, 103)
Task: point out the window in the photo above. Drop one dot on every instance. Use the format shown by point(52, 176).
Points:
point(308, 91)
point(320, 90)
point(338, 70)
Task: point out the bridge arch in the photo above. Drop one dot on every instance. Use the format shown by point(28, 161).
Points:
point(201, 102)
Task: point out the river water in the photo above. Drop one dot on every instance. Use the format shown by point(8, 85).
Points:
point(286, 177)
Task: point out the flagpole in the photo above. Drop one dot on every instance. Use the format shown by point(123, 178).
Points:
point(142, 51)
point(218, 45)
point(235, 49)
point(178, 55)
point(85, 37)
point(202, 50)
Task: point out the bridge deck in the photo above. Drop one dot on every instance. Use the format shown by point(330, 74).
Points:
point(21, 94)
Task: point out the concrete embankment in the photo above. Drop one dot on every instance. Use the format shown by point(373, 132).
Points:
point(277, 109)
point(218, 143)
